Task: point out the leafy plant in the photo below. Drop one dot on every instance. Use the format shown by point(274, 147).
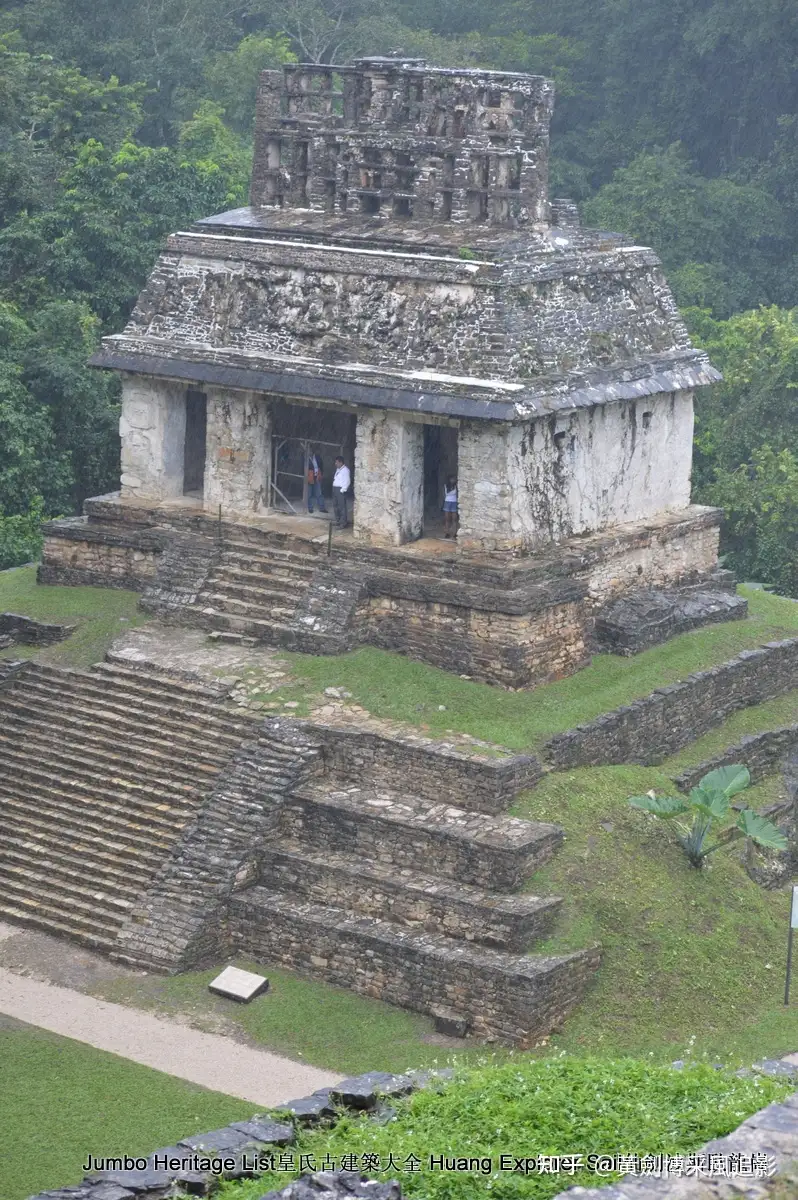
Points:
point(710, 805)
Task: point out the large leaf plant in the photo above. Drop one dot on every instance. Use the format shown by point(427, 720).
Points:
point(710, 821)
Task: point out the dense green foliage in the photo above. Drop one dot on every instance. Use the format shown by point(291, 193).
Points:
point(677, 125)
point(524, 1108)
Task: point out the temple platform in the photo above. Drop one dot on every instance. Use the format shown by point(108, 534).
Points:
point(296, 581)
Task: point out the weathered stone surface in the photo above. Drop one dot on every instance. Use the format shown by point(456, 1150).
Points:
point(265, 1129)
point(650, 729)
point(642, 619)
point(336, 1185)
point(363, 1091)
point(308, 1110)
point(24, 631)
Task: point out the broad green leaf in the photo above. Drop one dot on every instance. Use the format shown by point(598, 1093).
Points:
point(760, 830)
point(660, 806)
point(730, 780)
point(712, 805)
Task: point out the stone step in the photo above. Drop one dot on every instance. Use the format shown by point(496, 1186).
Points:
point(117, 871)
point(151, 699)
point(101, 723)
point(224, 729)
point(405, 831)
point(124, 796)
point(225, 601)
point(90, 764)
point(18, 881)
point(514, 998)
point(105, 746)
point(170, 685)
point(275, 633)
point(251, 583)
point(75, 822)
point(95, 933)
point(411, 898)
point(263, 559)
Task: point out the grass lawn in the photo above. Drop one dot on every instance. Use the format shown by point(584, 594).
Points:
point(694, 961)
point(310, 1021)
point(523, 1108)
point(395, 687)
point(61, 1099)
point(100, 614)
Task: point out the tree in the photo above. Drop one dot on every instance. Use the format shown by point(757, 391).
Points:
point(709, 806)
point(232, 75)
point(718, 239)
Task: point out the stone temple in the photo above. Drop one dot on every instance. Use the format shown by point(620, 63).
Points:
point(401, 291)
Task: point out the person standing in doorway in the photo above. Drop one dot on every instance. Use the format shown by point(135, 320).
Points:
point(315, 476)
point(342, 481)
point(450, 508)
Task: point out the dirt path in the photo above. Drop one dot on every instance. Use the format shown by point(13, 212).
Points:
point(205, 1058)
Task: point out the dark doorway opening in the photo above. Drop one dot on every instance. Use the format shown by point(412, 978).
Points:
point(194, 451)
point(440, 464)
point(297, 432)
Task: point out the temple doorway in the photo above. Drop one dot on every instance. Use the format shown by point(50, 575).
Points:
point(440, 464)
point(298, 432)
point(194, 446)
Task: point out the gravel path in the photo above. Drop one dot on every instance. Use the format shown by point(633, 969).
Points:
point(205, 1058)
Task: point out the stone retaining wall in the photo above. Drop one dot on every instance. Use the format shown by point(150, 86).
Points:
point(763, 753)
point(513, 999)
point(77, 553)
point(435, 771)
point(24, 631)
point(650, 729)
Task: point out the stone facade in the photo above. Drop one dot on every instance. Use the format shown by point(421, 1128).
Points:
point(650, 729)
point(238, 452)
point(516, 622)
point(400, 261)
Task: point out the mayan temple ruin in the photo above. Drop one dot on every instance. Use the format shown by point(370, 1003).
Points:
point(402, 293)
point(400, 317)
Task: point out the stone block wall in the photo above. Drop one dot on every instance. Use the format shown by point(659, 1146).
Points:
point(514, 999)
point(153, 429)
point(425, 768)
point(517, 650)
point(389, 469)
point(24, 631)
point(763, 753)
point(80, 554)
point(650, 729)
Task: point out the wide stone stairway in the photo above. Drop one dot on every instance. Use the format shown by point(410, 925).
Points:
point(410, 900)
point(100, 771)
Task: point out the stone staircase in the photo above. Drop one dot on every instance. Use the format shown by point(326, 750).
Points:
point(100, 772)
point(409, 900)
point(255, 590)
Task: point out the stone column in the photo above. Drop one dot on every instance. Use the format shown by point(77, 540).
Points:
point(389, 479)
point(152, 427)
point(238, 452)
point(494, 497)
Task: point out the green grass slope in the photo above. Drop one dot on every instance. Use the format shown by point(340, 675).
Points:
point(100, 615)
point(61, 1100)
point(522, 1109)
point(694, 960)
point(398, 688)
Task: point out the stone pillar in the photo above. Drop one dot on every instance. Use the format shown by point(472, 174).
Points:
point(152, 427)
point(494, 498)
point(389, 479)
point(239, 447)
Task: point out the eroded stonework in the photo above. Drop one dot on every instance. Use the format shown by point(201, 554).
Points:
point(401, 293)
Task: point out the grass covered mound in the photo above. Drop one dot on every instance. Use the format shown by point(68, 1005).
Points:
point(62, 1100)
point(100, 615)
point(525, 1108)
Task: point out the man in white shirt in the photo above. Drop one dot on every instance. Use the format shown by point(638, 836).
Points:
point(341, 483)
